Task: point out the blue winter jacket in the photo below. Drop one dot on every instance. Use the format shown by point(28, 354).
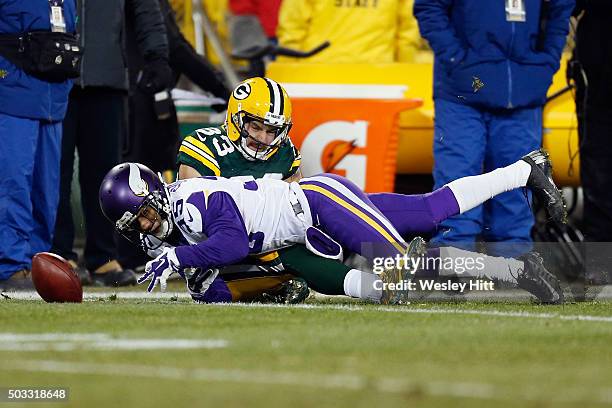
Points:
point(485, 61)
point(21, 94)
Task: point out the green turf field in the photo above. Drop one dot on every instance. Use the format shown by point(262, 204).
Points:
point(323, 353)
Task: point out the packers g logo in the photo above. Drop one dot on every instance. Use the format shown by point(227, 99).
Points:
point(242, 91)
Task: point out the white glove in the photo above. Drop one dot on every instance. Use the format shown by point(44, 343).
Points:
point(160, 269)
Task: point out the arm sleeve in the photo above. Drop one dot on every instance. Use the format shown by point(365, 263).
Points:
point(227, 241)
point(184, 58)
point(407, 36)
point(435, 27)
point(557, 29)
point(293, 21)
point(150, 30)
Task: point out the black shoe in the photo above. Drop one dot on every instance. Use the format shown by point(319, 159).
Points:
point(535, 279)
point(84, 275)
point(20, 280)
point(82, 272)
point(542, 185)
point(295, 291)
point(125, 277)
point(291, 292)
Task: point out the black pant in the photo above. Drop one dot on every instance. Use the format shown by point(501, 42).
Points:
point(596, 176)
point(94, 126)
point(152, 142)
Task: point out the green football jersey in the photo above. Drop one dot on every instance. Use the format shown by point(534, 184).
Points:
point(212, 153)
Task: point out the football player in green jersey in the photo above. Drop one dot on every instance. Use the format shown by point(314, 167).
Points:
point(254, 143)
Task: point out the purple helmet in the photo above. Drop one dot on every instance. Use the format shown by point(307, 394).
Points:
point(125, 190)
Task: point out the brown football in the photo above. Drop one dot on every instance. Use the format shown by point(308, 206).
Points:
point(54, 279)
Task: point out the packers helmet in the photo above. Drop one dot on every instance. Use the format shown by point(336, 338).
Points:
point(258, 99)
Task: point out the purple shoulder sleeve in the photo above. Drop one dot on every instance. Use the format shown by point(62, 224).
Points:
point(227, 241)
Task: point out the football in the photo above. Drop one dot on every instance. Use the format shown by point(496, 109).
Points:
point(54, 279)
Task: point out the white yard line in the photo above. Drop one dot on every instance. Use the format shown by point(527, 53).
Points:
point(343, 307)
point(25, 337)
point(97, 342)
point(140, 294)
point(408, 309)
point(317, 381)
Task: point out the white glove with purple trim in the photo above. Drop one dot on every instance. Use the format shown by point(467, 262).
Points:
point(160, 269)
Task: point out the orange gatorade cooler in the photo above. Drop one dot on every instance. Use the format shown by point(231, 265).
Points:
point(350, 130)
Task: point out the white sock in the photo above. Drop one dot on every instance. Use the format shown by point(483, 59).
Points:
point(359, 284)
point(472, 191)
point(481, 265)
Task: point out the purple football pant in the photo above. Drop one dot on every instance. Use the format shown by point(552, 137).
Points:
point(416, 214)
point(345, 212)
point(353, 218)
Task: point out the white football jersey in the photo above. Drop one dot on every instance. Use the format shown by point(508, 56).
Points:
point(275, 213)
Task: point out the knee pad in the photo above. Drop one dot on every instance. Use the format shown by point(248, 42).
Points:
point(321, 244)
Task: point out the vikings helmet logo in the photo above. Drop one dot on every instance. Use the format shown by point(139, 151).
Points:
point(137, 184)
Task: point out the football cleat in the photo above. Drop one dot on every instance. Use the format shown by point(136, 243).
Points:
point(416, 248)
point(296, 291)
point(291, 292)
point(541, 183)
point(388, 296)
point(537, 280)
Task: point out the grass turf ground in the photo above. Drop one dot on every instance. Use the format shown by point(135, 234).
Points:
point(331, 353)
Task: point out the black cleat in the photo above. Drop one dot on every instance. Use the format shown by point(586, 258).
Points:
point(542, 185)
point(291, 292)
point(125, 277)
point(537, 280)
point(296, 291)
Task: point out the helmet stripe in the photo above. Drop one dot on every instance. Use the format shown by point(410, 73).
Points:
point(281, 97)
point(272, 99)
point(276, 97)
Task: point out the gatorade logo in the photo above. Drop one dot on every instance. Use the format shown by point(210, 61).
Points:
point(242, 91)
point(321, 139)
